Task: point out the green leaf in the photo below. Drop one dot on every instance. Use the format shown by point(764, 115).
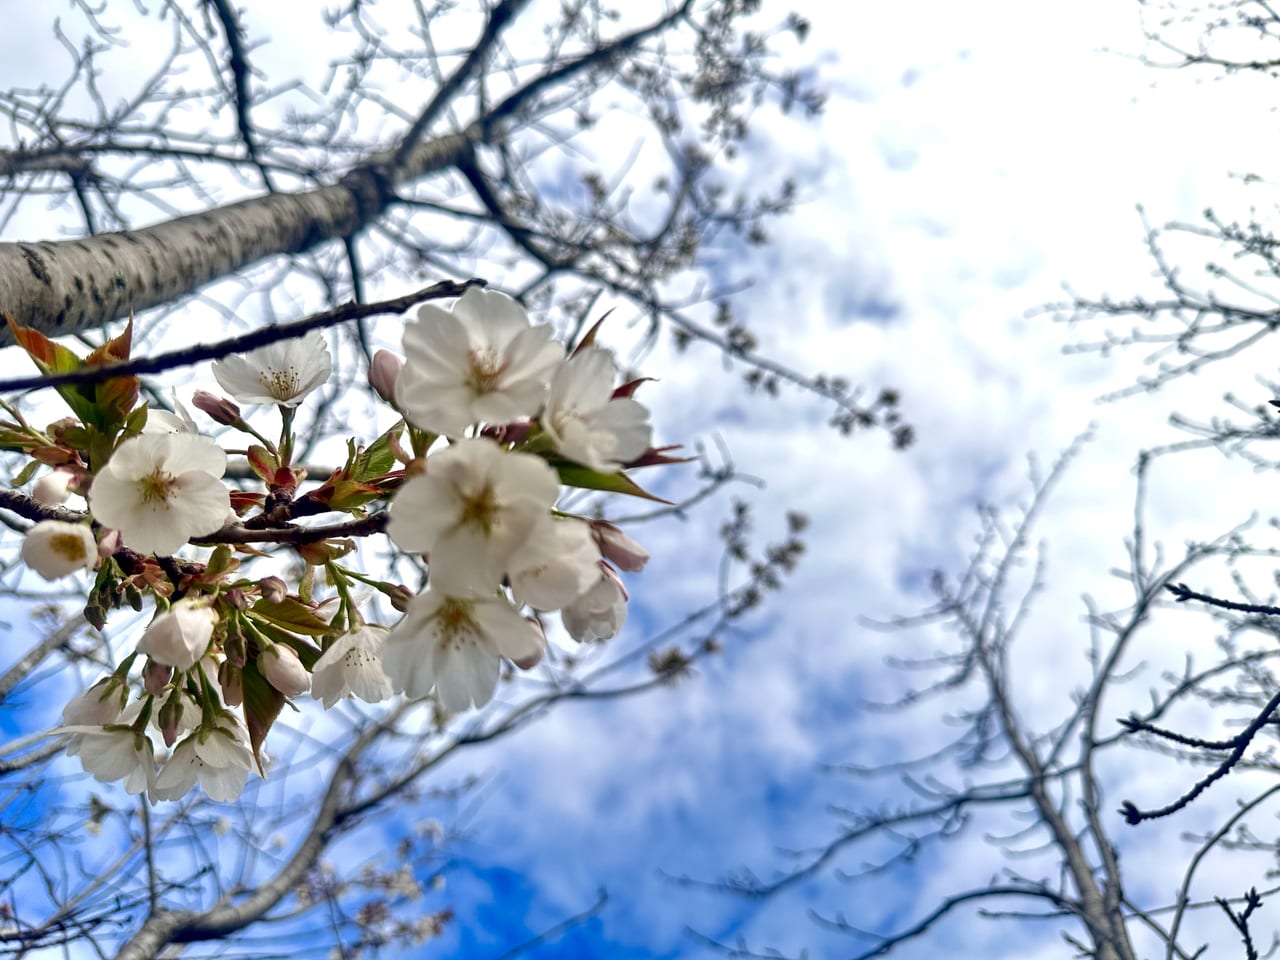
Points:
point(114, 398)
point(293, 615)
point(572, 475)
point(263, 462)
point(378, 458)
point(51, 359)
point(103, 405)
point(25, 474)
point(135, 421)
point(262, 704)
point(219, 562)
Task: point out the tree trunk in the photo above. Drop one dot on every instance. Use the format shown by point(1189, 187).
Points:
point(66, 286)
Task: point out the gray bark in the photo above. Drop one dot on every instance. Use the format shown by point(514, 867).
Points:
point(66, 286)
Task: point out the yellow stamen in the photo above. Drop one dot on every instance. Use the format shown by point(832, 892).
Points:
point(157, 486)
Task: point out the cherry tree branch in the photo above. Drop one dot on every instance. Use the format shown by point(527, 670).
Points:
point(344, 313)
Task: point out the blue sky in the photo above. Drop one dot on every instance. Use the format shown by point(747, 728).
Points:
point(971, 159)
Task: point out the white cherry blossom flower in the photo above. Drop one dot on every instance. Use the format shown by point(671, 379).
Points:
point(284, 671)
point(180, 635)
point(600, 612)
point(455, 645)
point(160, 490)
point(53, 488)
point(114, 752)
point(162, 421)
point(101, 703)
point(482, 362)
point(283, 372)
point(54, 549)
point(471, 509)
point(352, 666)
point(217, 757)
point(583, 420)
point(556, 564)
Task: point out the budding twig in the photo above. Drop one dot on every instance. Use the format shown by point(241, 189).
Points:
point(344, 313)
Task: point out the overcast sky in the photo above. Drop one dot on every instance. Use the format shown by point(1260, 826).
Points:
point(972, 159)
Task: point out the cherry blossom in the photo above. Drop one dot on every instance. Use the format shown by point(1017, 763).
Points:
point(160, 490)
point(600, 612)
point(495, 414)
point(282, 373)
point(555, 565)
point(54, 548)
point(180, 635)
point(482, 362)
point(217, 757)
point(99, 704)
point(114, 752)
point(472, 508)
point(162, 421)
point(584, 421)
point(455, 645)
point(352, 666)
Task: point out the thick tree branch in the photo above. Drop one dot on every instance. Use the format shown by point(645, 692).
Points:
point(65, 286)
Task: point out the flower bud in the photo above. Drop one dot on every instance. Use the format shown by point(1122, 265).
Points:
point(234, 647)
point(273, 589)
point(220, 409)
point(400, 595)
point(618, 547)
point(231, 681)
point(53, 488)
point(156, 676)
point(383, 373)
point(284, 671)
point(180, 635)
point(171, 718)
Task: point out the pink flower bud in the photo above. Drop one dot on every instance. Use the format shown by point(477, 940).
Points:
point(53, 488)
point(156, 676)
point(618, 547)
point(284, 671)
point(383, 373)
point(171, 718)
point(220, 409)
point(273, 589)
point(400, 595)
point(234, 647)
point(232, 683)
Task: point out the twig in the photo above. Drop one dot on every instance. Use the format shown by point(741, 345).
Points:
point(343, 313)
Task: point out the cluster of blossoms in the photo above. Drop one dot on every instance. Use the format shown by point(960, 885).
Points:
point(499, 417)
